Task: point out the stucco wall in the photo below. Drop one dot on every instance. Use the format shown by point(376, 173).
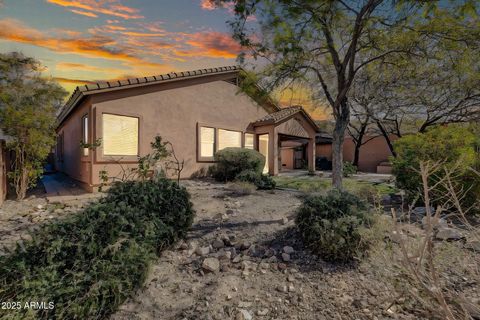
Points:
point(174, 113)
point(371, 153)
point(74, 163)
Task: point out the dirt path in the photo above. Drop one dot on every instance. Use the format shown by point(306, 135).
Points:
point(244, 241)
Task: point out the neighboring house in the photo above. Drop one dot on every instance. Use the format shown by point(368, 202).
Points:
point(199, 112)
point(374, 154)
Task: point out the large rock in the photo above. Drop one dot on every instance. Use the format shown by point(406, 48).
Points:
point(473, 245)
point(288, 250)
point(211, 265)
point(449, 234)
point(243, 314)
point(202, 251)
point(218, 244)
point(436, 222)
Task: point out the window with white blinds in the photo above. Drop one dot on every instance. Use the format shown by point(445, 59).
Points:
point(120, 135)
point(227, 138)
point(249, 140)
point(207, 142)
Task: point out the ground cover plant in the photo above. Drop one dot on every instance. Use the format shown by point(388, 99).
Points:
point(318, 184)
point(89, 263)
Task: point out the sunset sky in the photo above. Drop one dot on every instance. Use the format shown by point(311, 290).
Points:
point(81, 41)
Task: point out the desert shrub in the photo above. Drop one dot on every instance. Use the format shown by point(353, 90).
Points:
point(89, 263)
point(452, 146)
point(241, 188)
point(266, 182)
point(367, 192)
point(232, 161)
point(262, 181)
point(349, 169)
point(332, 225)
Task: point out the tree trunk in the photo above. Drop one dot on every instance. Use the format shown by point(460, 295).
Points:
point(387, 138)
point(356, 153)
point(341, 124)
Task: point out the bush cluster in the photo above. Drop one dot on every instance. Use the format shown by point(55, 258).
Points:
point(349, 169)
point(89, 263)
point(332, 225)
point(244, 165)
point(454, 146)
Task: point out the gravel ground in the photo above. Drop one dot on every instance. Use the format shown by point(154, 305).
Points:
point(242, 260)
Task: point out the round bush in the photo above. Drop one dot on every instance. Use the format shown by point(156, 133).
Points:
point(232, 161)
point(331, 225)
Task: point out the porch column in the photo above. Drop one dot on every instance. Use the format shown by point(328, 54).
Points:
point(273, 151)
point(311, 154)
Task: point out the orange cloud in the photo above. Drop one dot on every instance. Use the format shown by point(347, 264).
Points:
point(94, 46)
point(84, 13)
point(69, 66)
point(208, 5)
point(111, 8)
point(73, 81)
point(211, 44)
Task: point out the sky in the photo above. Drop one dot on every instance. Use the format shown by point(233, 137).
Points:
point(83, 41)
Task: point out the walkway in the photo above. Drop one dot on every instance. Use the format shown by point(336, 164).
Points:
point(60, 188)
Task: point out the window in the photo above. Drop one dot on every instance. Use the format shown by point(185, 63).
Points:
point(120, 135)
point(227, 138)
point(207, 142)
point(263, 149)
point(85, 133)
point(249, 140)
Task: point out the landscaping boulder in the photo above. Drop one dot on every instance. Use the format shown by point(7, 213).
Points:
point(211, 265)
point(449, 234)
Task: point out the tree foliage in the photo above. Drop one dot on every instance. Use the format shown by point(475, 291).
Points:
point(28, 105)
point(453, 148)
point(326, 43)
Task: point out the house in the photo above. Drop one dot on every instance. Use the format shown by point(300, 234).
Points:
point(199, 112)
point(373, 157)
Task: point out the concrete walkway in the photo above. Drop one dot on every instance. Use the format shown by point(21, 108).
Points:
point(61, 188)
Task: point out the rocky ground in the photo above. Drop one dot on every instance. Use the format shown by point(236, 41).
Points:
point(18, 218)
point(242, 260)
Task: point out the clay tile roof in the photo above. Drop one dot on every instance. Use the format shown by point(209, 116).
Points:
point(82, 91)
point(279, 115)
point(284, 114)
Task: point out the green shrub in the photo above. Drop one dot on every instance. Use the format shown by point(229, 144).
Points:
point(332, 225)
point(89, 263)
point(266, 182)
point(349, 169)
point(262, 181)
point(454, 146)
point(232, 161)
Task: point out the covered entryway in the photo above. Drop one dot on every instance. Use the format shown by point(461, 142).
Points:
point(287, 140)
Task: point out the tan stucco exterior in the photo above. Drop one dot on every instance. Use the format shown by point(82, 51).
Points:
point(173, 110)
point(374, 154)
